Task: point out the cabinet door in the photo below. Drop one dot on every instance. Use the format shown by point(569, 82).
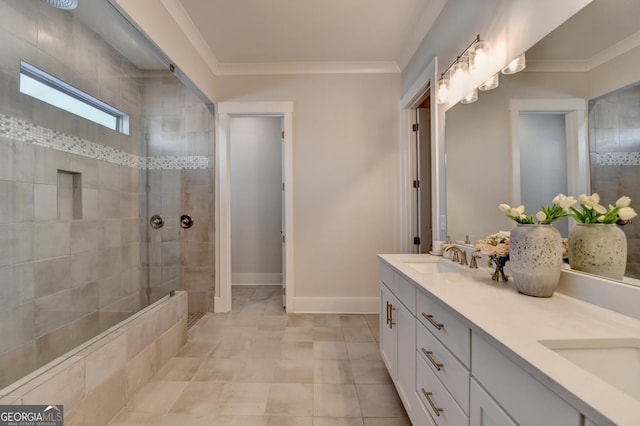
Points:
point(485, 411)
point(406, 355)
point(388, 337)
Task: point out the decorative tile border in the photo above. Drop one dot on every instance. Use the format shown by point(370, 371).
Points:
point(617, 158)
point(26, 132)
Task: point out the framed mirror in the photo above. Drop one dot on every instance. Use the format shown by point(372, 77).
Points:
point(580, 80)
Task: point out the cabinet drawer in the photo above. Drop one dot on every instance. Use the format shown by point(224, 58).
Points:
point(445, 325)
point(485, 411)
point(386, 275)
point(405, 291)
point(525, 399)
point(434, 395)
point(445, 366)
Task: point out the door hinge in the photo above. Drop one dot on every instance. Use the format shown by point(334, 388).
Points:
point(283, 186)
point(284, 240)
point(416, 184)
point(416, 241)
point(284, 291)
point(147, 188)
point(283, 134)
point(415, 127)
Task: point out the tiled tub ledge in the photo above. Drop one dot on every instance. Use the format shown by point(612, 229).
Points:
point(93, 383)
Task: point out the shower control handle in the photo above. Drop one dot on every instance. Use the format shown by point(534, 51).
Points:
point(156, 221)
point(186, 221)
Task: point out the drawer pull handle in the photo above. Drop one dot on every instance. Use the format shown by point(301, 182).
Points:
point(388, 312)
point(435, 323)
point(431, 358)
point(391, 309)
point(429, 397)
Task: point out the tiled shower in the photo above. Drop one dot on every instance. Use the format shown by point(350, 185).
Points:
point(77, 254)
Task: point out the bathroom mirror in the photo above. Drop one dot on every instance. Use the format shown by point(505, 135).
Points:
point(586, 61)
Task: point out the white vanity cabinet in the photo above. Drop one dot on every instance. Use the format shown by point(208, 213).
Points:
point(448, 372)
point(522, 398)
point(443, 346)
point(397, 333)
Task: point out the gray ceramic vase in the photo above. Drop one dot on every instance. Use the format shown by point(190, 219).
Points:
point(535, 253)
point(598, 248)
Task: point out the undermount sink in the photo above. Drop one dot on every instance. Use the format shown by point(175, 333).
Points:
point(616, 361)
point(431, 266)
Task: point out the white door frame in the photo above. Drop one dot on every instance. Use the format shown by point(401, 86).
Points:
point(225, 110)
point(409, 103)
point(575, 112)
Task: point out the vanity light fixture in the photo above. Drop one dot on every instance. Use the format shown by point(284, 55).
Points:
point(515, 65)
point(471, 97)
point(474, 59)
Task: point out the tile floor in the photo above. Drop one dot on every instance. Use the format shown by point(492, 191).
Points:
point(258, 366)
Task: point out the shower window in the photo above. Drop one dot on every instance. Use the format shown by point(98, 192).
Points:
point(41, 85)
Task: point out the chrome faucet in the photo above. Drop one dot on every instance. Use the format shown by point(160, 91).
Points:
point(474, 261)
point(459, 255)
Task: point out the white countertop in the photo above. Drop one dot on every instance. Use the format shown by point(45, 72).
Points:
point(516, 323)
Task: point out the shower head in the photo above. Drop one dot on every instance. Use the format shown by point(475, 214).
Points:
point(62, 4)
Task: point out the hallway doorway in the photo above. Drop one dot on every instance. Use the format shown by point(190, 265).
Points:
point(226, 112)
point(256, 200)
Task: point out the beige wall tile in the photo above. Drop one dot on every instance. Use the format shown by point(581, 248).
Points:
point(65, 387)
point(52, 311)
point(166, 346)
point(6, 245)
point(51, 276)
point(84, 236)
point(141, 369)
point(105, 361)
point(52, 239)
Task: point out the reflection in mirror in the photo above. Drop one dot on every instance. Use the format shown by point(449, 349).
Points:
point(614, 142)
point(592, 54)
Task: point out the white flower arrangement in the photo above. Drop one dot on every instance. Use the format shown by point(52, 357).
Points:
point(561, 205)
point(594, 212)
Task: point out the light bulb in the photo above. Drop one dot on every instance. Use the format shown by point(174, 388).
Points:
point(459, 74)
point(491, 83)
point(471, 97)
point(479, 57)
point(442, 95)
point(515, 66)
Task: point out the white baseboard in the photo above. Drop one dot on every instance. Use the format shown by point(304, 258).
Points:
point(256, 279)
point(219, 306)
point(336, 305)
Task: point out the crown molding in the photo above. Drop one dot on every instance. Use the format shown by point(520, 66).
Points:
point(614, 51)
point(602, 57)
point(279, 68)
point(185, 23)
